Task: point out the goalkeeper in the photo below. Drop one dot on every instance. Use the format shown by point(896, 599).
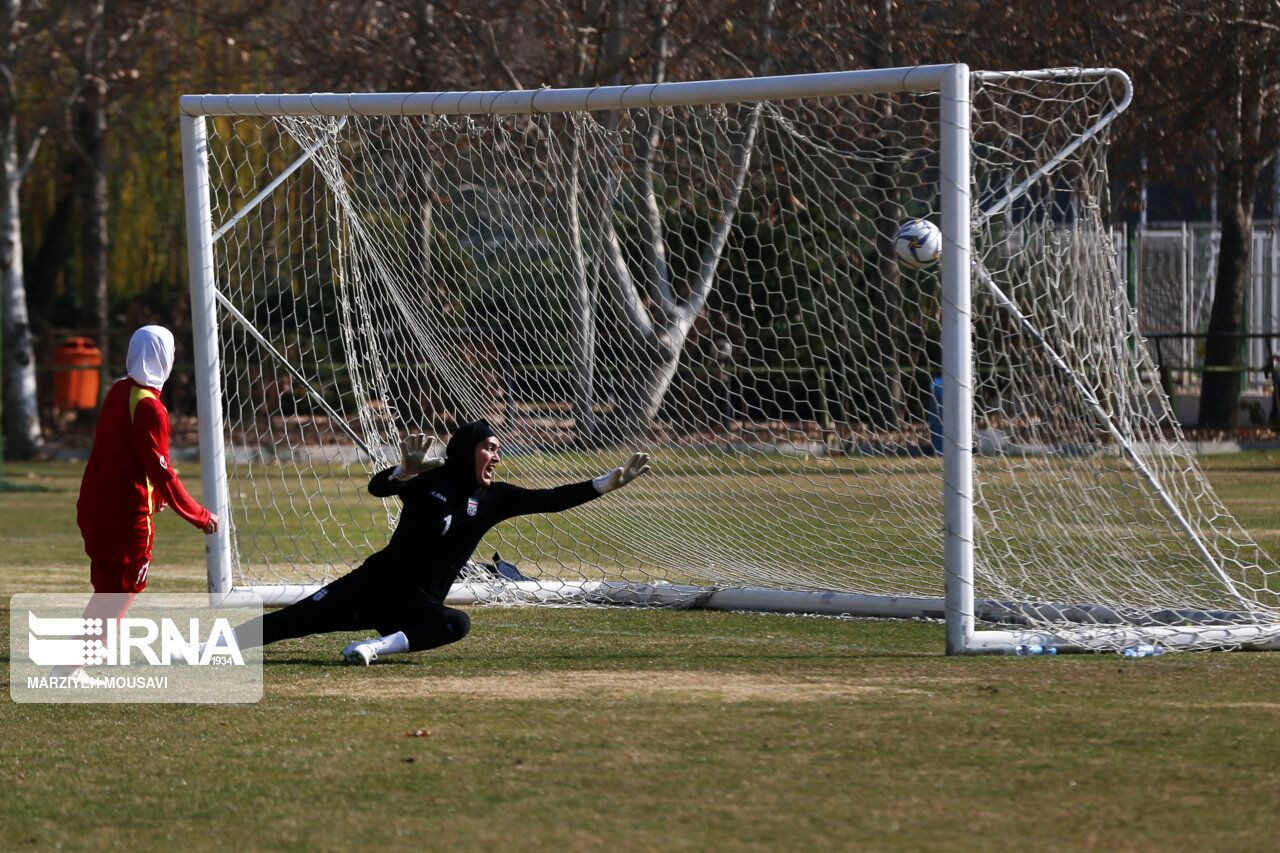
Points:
point(449, 504)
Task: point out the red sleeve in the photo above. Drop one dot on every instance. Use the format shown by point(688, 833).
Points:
point(151, 445)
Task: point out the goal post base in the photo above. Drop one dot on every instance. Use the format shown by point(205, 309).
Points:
point(621, 593)
point(1110, 638)
point(691, 597)
point(596, 593)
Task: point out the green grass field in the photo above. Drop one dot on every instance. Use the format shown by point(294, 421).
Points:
point(549, 729)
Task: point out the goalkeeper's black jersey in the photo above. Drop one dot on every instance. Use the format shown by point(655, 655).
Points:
point(442, 522)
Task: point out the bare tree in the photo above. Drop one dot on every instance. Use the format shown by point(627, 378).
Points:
point(1248, 88)
point(1206, 80)
point(87, 133)
point(1207, 83)
point(590, 42)
point(96, 40)
point(659, 313)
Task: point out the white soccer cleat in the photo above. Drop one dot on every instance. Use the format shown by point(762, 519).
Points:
point(360, 653)
point(180, 655)
point(79, 678)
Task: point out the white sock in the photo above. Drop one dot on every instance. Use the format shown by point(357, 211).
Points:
point(390, 644)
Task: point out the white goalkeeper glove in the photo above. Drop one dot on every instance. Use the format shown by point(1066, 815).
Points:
point(617, 478)
point(416, 458)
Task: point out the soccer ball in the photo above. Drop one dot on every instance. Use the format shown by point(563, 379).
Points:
point(918, 244)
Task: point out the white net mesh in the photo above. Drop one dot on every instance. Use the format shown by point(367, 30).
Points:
point(715, 285)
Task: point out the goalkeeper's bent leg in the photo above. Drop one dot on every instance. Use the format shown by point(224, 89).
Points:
point(427, 626)
point(437, 626)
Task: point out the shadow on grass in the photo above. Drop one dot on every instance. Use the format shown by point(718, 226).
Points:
point(11, 486)
point(334, 662)
point(571, 660)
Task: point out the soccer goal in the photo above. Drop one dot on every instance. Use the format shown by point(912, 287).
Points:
point(706, 271)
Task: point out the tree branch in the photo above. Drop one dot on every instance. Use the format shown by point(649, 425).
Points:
point(29, 157)
point(624, 283)
point(1228, 20)
point(712, 253)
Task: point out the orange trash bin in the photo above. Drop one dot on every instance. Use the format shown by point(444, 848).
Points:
point(75, 378)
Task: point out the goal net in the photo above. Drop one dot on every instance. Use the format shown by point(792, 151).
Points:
point(706, 272)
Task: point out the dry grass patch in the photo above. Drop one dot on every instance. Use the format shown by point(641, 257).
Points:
point(663, 685)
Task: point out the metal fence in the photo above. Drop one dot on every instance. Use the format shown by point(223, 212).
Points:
point(1172, 268)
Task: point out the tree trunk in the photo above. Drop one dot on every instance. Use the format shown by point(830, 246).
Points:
point(583, 305)
point(1220, 388)
point(93, 123)
point(22, 413)
point(1242, 161)
point(640, 397)
point(21, 409)
point(91, 177)
point(887, 397)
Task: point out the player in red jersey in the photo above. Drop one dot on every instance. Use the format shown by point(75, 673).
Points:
point(130, 477)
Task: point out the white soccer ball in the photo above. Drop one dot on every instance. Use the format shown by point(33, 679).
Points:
point(918, 244)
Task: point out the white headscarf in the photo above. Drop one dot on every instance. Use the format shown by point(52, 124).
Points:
point(150, 356)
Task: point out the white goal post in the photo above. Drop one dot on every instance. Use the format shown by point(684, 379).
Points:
point(705, 271)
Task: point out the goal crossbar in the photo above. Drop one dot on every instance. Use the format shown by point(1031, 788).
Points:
point(516, 101)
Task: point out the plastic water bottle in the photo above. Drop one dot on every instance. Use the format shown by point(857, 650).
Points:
point(1034, 649)
point(1143, 650)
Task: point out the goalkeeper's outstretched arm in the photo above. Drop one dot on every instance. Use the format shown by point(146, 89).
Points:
point(516, 500)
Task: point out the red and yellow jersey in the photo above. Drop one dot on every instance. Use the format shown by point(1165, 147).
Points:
point(129, 475)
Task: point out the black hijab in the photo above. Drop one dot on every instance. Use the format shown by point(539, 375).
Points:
point(460, 453)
